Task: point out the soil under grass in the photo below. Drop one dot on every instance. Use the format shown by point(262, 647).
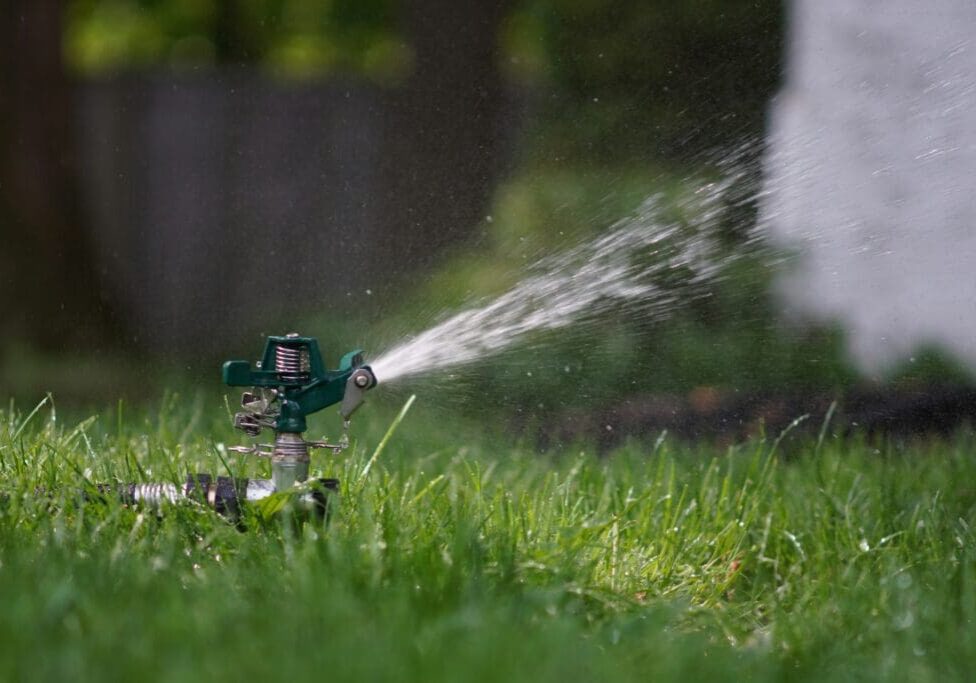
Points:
point(460, 558)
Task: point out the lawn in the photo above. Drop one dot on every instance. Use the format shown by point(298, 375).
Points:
point(462, 555)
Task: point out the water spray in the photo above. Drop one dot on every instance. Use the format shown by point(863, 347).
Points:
point(289, 383)
point(649, 262)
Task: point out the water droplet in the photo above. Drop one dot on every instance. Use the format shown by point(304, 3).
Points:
point(344, 437)
point(904, 621)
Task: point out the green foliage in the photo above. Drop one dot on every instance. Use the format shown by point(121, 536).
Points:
point(292, 38)
point(459, 557)
point(641, 80)
point(629, 80)
point(931, 365)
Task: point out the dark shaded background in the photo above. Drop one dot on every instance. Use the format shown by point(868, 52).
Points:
point(177, 178)
point(173, 173)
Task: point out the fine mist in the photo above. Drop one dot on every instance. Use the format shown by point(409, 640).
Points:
point(869, 175)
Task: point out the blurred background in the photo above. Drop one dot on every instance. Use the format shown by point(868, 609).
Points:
point(180, 177)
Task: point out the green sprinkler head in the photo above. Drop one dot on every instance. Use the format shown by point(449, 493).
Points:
point(289, 383)
point(291, 373)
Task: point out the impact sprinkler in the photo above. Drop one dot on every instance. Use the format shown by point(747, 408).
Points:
point(289, 383)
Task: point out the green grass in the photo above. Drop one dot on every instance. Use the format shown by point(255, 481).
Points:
point(460, 556)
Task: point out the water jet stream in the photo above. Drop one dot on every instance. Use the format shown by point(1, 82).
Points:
point(646, 262)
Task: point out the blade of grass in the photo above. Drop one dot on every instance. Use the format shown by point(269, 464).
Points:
point(30, 417)
point(386, 437)
point(824, 427)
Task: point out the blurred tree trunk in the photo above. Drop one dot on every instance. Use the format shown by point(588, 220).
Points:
point(444, 144)
point(48, 284)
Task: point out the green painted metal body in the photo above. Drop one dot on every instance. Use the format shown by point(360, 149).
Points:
point(300, 394)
